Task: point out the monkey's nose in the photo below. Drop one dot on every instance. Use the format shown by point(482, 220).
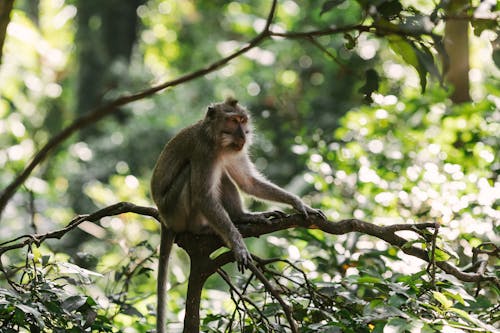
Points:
point(239, 144)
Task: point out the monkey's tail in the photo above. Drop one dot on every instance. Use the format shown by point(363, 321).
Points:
point(167, 240)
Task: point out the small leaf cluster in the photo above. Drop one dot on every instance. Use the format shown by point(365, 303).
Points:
point(42, 304)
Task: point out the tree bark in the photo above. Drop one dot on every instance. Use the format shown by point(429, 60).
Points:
point(201, 268)
point(5, 9)
point(456, 43)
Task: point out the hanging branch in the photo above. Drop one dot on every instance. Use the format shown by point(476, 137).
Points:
point(107, 109)
point(97, 114)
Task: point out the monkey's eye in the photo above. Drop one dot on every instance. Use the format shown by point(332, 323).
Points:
point(244, 120)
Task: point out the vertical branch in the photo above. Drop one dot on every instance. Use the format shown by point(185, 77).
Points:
point(5, 9)
point(431, 268)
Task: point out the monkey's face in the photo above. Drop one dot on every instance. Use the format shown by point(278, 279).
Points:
point(234, 132)
point(229, 125)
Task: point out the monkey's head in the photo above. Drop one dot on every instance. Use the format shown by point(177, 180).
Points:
point(228, 124)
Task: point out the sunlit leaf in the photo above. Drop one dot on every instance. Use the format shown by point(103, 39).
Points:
point(441, 255)
point(404, 48)
point(441, 298)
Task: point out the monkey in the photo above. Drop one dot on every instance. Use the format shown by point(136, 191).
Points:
point(195, 186)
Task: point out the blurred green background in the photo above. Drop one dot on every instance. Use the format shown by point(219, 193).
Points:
point(342, 120)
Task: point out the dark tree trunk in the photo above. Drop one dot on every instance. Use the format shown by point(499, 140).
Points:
point(107, 31)
point(5, 9)
point(456, 41)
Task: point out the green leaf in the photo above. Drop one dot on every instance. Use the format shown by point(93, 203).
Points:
point(441, 298)
point(350, 41)
point(445, 59)
point(426, 58)
point(73, 303)
point(369, 279)
point(403, 48)
point(426, 65)
point(390, 9)
point(479, 25)
point(457, 297)
point(440, 255)
point(396, 325)
point(329, 5)
point(45, 260)
point(35, 314)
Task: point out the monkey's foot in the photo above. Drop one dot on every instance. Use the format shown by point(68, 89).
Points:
point(243, 257)
point(260, 218)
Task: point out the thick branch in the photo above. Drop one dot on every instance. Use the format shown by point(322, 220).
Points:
point(211, 243)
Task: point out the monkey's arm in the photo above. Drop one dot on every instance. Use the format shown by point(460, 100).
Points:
point(231, 200)
point(244, 173)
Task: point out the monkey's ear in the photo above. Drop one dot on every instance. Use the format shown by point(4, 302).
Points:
point(211, 112)
point(231, 101)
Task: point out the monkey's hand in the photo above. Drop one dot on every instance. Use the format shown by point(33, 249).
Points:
point(306, 210)
point(242, 256)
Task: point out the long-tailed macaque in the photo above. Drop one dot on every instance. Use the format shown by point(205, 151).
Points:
point(194, 185)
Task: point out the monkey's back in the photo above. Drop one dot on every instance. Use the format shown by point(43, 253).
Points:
point(175, 155)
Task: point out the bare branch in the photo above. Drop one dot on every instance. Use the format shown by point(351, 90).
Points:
point(211, 242)
point(286, 308)
point(119, 208)
point(112, 107)
point(105, 110)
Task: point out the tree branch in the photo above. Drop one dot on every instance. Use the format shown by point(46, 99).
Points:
point(211, 243)
point(111, 107)
point(116, 209)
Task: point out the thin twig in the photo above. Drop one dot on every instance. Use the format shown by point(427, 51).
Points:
point(241, 296)
point(286, 308)
point(431, 268)
point(119, 208)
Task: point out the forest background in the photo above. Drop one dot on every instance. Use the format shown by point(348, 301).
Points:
point(359, 106)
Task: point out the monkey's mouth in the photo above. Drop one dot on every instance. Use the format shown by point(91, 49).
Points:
point(238, 145)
